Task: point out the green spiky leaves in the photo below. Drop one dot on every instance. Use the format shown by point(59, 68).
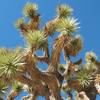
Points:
point(3, 51)
point(64, 11)
point(77, 43)
point(51, 26)
point(90, 66)
point(36, 39)
point(90, 56)
point(9, 64)
point(64, 22)
point(19, 23)
point(68, 25)
point(18, 87)
point(30, 10)
point(85, 77)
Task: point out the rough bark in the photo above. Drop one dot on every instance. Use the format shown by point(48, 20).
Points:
point(91, 92)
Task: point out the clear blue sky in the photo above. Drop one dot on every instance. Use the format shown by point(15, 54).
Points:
point(87, 11)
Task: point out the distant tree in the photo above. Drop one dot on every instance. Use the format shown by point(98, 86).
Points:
point(19, 68)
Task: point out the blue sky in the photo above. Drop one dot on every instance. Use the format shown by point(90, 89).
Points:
point(87, 12)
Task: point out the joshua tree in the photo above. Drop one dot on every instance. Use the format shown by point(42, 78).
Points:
point(19, 68)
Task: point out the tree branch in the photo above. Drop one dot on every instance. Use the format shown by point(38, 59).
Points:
point(28, 97)
point(24, 80)
point(42, 59)
point(12, 95)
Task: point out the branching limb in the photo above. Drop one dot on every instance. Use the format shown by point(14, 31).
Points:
point(12, 95)
point(42, 59)
point(97, 63)
point(28, 97)
point(31, 66)
point(24, 80)
point(78, 62)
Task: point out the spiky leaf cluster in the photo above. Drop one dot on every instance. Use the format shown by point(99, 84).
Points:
point(64, 10)
point(9, 64)
point(36, 39)
point(64, 22)
point(30, 10)
point(74, 47)
point(19, 23)
point(85, 77)
point(17, 87)
point(90, 66)
point(90, 56)
point(51, 27)
point(77, 43)
point(3, 51)
point(68, 25)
